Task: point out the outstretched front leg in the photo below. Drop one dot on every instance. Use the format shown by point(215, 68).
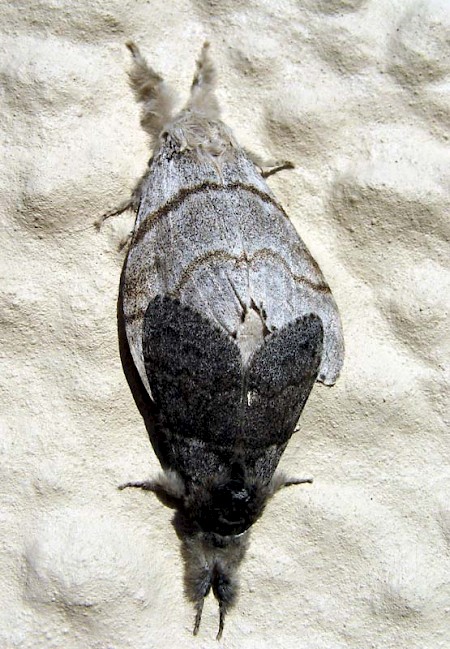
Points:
point(269, 170)
point(131, 203)
point(269, 167)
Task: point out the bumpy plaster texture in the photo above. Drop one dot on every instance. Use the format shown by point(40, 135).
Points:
point(357, 94)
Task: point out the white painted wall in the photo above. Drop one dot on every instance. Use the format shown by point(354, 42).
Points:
point(357, 94)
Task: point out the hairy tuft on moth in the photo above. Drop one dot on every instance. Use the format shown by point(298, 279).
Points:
point(229, 322)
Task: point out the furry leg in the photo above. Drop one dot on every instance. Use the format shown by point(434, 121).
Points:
point(131, 203)
point(269, 167)
point(198, 616)
point(202, 97)
point(280, 480)
point(149, 485)
point(294, 481)
point(221, 620)
point(149, 89)
point(125, 205)
point(280, 166)
point(168, 488)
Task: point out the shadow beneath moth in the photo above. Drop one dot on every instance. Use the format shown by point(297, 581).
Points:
point(229, 323)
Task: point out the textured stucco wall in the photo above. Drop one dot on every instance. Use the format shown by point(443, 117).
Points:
point(357, 94)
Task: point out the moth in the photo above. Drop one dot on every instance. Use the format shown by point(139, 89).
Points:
point(229, 322)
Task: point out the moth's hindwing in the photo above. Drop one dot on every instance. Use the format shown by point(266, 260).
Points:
point(194, 370)
point(203, 390)
point(280, 376)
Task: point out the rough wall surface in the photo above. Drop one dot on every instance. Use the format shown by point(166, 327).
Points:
point(357, 94)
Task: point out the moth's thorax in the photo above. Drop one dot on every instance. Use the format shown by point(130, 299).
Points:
point(194, 131)
point(194, 151)
point(227, 507)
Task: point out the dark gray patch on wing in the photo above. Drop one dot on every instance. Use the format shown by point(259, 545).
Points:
point(195, 373)
point(202, 391)
point(279, 378)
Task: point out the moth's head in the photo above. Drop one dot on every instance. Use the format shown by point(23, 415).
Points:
point(211, 563)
